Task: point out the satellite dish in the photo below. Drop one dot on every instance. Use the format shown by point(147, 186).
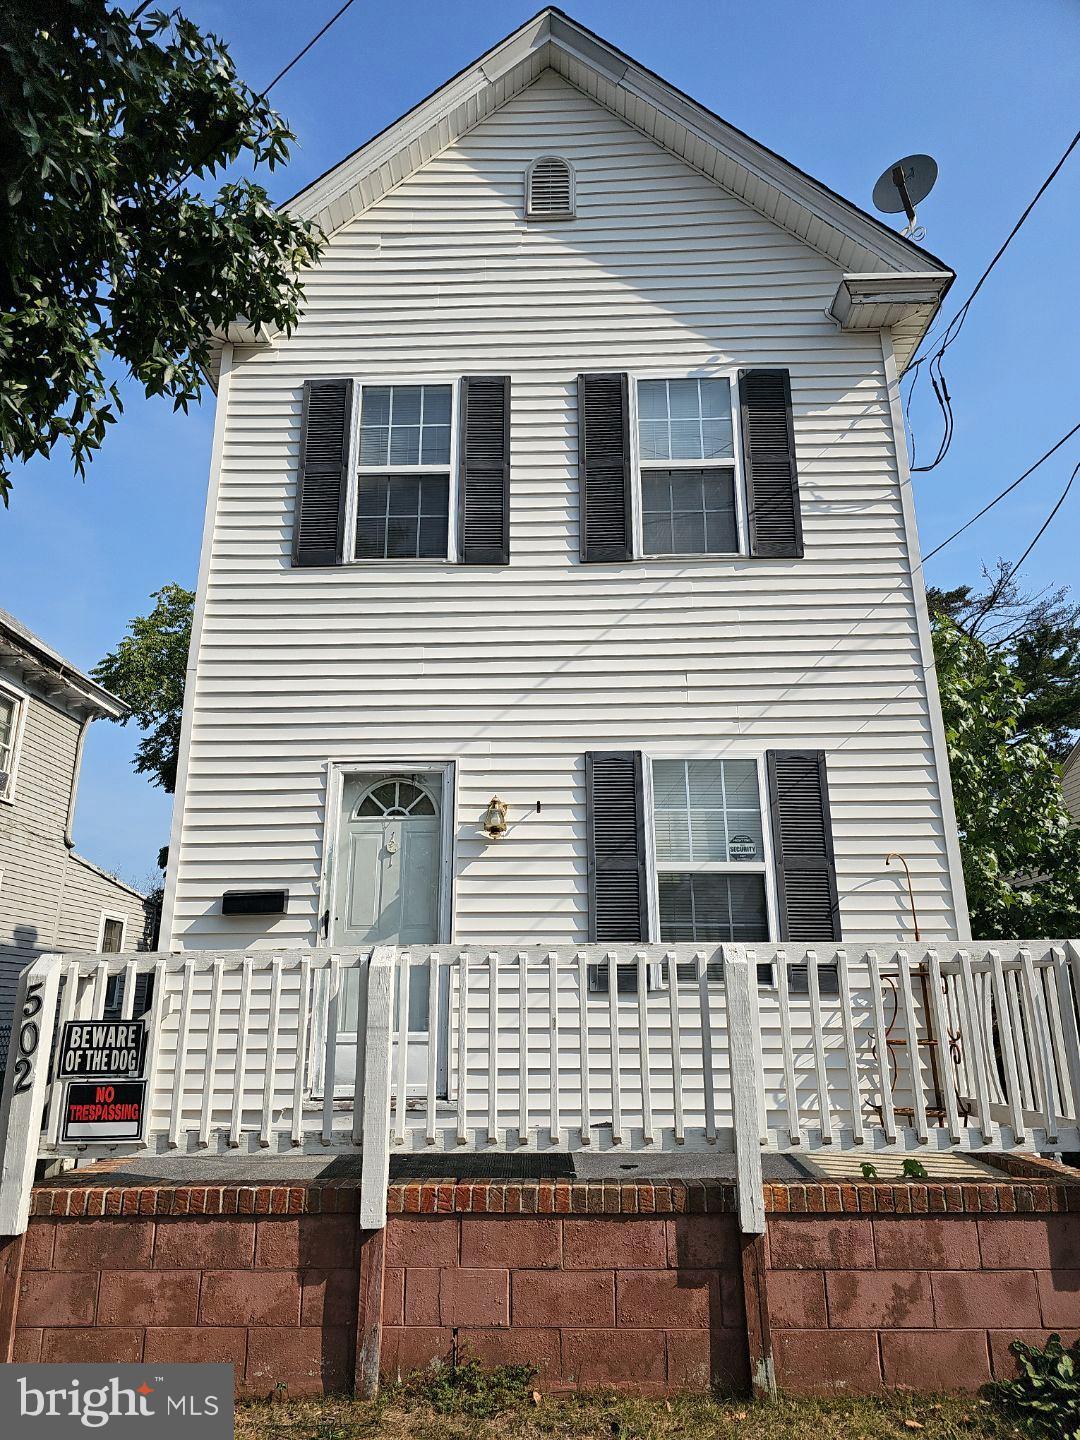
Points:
point(903, 185)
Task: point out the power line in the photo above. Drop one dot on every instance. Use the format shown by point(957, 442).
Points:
point(1001, 496)
point(961, 315)
point(952, 330)
point(262, 94)
point(1046, 523)
point(301, 53)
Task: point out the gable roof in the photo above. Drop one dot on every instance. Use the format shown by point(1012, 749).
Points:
point(860, 245)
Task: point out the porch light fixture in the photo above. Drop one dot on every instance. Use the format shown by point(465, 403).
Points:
point(493, 821)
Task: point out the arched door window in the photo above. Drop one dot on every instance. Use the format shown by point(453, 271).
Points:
point(395, 798)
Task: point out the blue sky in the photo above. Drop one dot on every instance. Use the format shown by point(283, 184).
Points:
point(986, 86)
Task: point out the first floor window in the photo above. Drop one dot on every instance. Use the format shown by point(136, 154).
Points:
point(9, 724)
point(709, 848)
point(686, 453)
point(403, 487)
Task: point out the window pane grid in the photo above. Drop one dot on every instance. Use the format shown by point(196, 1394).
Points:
point(405, 425)
point(689, 512)
point(712, 907)
point(402, 517)
point(684, 420)
point(702, 814)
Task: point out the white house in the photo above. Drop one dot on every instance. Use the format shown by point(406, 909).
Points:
point(580, 485)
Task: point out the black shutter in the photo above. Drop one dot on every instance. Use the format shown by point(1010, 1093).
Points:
point(322, 485)
point(604, 503)
point(772, 482)
point(615, 809)
point(485, 470)
point(803, 846)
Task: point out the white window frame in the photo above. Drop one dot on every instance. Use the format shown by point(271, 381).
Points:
point(742, 524)
point(107, 915)
point(21, 700)
point(720, 867)
point(356, 470)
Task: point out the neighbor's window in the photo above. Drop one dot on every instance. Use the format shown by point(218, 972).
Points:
point(403, 494)
point(112, 935)
point(687, 456)
point(9, 729)
point(709, 848)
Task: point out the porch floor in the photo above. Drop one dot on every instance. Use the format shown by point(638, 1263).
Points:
point(290, 1169)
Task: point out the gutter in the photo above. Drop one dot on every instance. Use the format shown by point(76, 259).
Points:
point(75, 769)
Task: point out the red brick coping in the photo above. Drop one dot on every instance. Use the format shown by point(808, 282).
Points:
point(1059, 1193)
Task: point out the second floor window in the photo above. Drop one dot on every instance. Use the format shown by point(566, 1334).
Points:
point(403, 488)
point(686, 454)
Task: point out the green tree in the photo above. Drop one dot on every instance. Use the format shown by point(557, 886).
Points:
point(1038, 635)
point(1021, 857)
point(146, 670)
point(109, 123)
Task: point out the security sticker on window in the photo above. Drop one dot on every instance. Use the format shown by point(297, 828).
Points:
point(169, 1402)
point(742, 847)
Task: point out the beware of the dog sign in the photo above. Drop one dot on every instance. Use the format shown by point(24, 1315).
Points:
point(102, 1050)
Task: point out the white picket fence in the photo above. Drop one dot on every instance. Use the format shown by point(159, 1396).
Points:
point(743, 1049)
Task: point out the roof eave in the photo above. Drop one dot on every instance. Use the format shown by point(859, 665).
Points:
point(56, 679)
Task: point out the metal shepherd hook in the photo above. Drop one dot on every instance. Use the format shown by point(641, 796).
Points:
point(895, 855)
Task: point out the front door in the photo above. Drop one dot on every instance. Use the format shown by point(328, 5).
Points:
point(387, 892)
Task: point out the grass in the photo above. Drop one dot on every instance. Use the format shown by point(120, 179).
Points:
point(422, 1411)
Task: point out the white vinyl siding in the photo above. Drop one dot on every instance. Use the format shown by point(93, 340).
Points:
point(516, 672)
point(51, 899)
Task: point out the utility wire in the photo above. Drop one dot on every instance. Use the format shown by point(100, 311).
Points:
point(1002, 494)
point(314, 41)
point(952, 330)
point(961, 315)
point(266, 90)
point(1046, 523)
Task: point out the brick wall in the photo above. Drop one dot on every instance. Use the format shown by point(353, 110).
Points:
point(931, 1302)
point(636, 1301)
point(863, 1286)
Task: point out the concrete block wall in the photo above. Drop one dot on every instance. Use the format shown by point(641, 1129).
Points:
point(647, 1302)
point(275, 1296)
point(930, 1302)
point(646, 1287)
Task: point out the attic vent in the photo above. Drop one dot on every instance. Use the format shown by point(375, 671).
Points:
point(550, 189)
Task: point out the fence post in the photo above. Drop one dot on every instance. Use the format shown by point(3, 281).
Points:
point(378, 1052)
point(746, 1080)
point(25, 1084)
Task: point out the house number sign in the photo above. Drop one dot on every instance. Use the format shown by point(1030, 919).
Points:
point(29, 1037)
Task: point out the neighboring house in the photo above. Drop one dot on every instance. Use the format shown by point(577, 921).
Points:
point(50, 897)
point(581, 484)
point(1070, 782)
